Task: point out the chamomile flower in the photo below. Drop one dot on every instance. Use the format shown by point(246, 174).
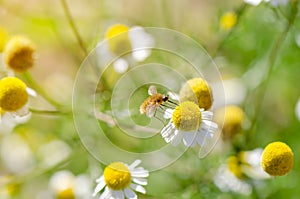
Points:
point(197, 90)
point(119, 180)
point(131, 44)
point(64, 185)
point(239, 171)
point(18, 54)
point(228, 20)
point(277, 159)
point(232, 118)
point(14, 97)
point(188, 123)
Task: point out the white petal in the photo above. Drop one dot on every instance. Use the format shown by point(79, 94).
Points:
point(120, 65)
point(177, 139)
point(140, 181)
point(138, 188)
point(22, 111)
point(140, 173)
point(189, 139)
point(130, 194)
point(207, 115)
point(106, 194)
point(117, 194)
point(201, 140)
point(101, 178)
point(168, 113)
point(134, 164)
point(99, 187)
point(173, 96)
point(31, 92)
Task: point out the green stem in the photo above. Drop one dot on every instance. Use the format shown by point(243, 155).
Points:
point(73, 26)
point(27, 76)
point(271, 62)
point(48, 112)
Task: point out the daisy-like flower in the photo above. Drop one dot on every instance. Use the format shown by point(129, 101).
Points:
point(277, 159)
point(14, 97)
point(64, 185)
point(131, 44)
point(197, 90)
point(231, 118)
point(228, 20)
point(239, 170)
point(119, 180)
point(18, 54)
point(188, 123)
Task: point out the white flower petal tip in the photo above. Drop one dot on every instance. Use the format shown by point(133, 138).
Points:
point(120, 65)
point(31, 92)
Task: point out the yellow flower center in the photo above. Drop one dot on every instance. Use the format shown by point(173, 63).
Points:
point(187, 116)
point(234, 166)
point(231, 117)
point(117, 176)
point(13, 94)
point(66, 194)
point(277, 159)
point(3, 37)
point(197, 90)
point(228, 20)
point(118, 39)
point(18, 53)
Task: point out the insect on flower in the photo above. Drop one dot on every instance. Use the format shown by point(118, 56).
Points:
point(155, 100)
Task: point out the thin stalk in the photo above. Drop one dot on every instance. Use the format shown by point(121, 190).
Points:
point(49, 112)
point(73, 26)
point(31, 81)
point(271, 62)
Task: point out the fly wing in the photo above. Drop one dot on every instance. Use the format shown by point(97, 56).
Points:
point(152, 90)
point(150, 110)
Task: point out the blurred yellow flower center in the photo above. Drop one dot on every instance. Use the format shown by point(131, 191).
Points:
point(118, 39)
point(228, 20)
point(231, 117)
point(117, 176)
point(197, 90)
point(3, 37)
point(187, 116)
point(66, 194)
point(277, 159)
point(234, 166)
point(18, 53)
point(13, 94)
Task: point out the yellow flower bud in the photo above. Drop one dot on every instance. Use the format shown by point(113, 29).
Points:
point(277, 159)
point(18, 54)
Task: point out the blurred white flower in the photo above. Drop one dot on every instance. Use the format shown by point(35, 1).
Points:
point(297, 109)
point(251, 164)
point(226, 181)
point(272, 2)
point(9, 122)
point(234, 90)
point(128, 45)
point(64, 184)
point(239, 170)
point(53, 153)
point(119, 180)
point(16, 155)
